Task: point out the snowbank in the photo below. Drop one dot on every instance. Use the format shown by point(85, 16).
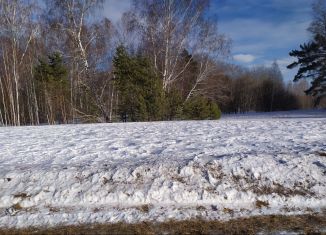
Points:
point(134, 172)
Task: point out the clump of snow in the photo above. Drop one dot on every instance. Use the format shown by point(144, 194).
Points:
point(133, 172)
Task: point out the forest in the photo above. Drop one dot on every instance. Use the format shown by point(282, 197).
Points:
point(62, 62)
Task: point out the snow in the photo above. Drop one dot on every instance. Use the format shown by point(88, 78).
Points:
point(133, 172)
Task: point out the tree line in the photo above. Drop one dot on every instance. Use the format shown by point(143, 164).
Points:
point(263, 89)
point(62, 62)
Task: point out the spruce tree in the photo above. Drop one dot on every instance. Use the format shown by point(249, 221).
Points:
point(53, 88)
point(141, 92)
point(199, 108)
point(52, 69)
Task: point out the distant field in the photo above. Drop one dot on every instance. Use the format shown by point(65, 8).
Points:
point(239, 166)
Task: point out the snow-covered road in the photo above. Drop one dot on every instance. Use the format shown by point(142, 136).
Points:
point(132, 172)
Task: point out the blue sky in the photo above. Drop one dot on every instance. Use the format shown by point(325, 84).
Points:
point(261, 30)
point(264, 30)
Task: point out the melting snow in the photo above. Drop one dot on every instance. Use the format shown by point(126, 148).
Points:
point(133, 172)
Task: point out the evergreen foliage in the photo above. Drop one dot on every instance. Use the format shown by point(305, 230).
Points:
point(140, 90)
point(199, 108)
point(142, 97)
point(52, 69)
point(312, 66)
point(173, 104)
point(311, 58)
point(53, 87)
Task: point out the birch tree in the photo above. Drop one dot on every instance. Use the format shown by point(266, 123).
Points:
point(85, 40)
point(18, 30)
point(169, 27)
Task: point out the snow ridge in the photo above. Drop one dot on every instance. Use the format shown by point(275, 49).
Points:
point(134, 172)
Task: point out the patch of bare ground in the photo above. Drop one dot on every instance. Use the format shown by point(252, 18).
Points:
point(281, 190)
point(301, 224)
point(276, 188)
point(22, 195)
point(17, 207)
point(144, 208)
point(261, 204)
point(322, 154)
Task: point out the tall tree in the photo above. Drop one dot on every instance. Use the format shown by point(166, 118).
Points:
point(87, 44)
point(17, 31)
point(139, 87)
point(169, 27)
point(311, 57)
point(51, 76)
point(318, 24)
point(312, 66)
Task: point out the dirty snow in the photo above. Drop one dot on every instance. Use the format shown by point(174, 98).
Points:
point(134, 172)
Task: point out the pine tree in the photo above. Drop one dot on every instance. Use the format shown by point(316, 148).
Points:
point(122, 63)
point(199, 108)
point(311, 58)
point(173, 104)
point(53, 88)
point(312, 66)
point(151, 88)
point(141, 92)
point(51, 69)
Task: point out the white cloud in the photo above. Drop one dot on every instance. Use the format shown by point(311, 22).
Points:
point(268, 41)
point(244, 58)
point(274, 28)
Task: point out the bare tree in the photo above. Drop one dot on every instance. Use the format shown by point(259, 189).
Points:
point(17, 32)
point(89, 48)
point(298, 88)
point(169, 27)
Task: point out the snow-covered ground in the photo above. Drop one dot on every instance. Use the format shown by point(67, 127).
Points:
point(310, 113)
point(133, 172)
